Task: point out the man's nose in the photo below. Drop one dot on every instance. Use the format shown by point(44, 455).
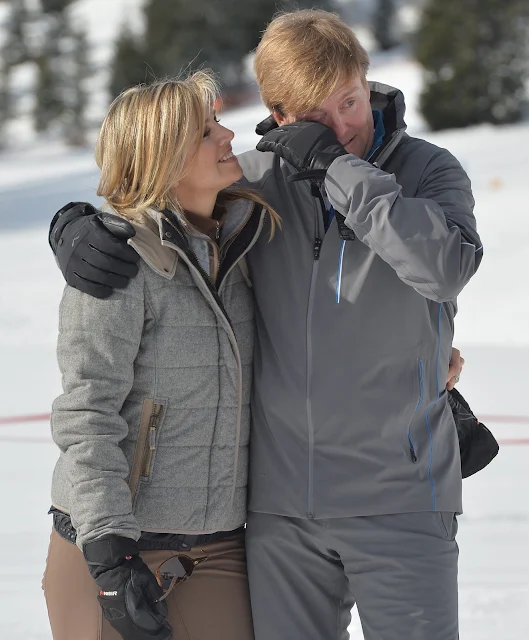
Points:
point(339, 125)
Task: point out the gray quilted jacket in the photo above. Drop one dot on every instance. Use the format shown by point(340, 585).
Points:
point(153, 424)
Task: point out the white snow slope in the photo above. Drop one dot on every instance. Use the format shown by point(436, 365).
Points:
point(492, 332)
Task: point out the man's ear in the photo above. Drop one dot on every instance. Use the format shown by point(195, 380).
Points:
point(279, 118)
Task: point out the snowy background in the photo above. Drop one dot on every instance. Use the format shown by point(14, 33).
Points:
point(492, 331)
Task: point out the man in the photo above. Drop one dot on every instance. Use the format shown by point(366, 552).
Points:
point(355, 470)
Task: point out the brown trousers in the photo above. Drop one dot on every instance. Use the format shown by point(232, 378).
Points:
point(213, 604)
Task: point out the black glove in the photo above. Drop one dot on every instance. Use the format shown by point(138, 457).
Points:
point(91, 249)
point(310, 147)
point(477, 445)
point(127, 589)
point(266, 125)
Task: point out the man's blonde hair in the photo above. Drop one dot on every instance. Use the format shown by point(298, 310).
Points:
point(148, 141)
point(302, 57)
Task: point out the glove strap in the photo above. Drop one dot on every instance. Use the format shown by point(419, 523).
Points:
point(313, 174)
point(109, 552)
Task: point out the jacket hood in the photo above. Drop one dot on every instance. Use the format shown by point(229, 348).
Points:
point(391, 102)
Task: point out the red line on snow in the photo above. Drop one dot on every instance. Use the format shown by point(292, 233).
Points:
point(43, 417)
point(507, 419)
point(515, 441)
point(40, 417)
point(28, 440)
point(504, 442)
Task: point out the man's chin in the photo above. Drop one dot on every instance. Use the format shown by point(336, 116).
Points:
point(354, 148)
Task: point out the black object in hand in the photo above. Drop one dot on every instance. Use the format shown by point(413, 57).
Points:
point(91, 249)
point(477, 446)
point(310, 147)
point(128, 590)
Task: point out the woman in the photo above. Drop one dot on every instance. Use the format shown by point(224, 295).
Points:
point(153, 423)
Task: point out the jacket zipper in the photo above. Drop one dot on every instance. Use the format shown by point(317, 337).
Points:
point(216, 303)
point(209, 241)
point(150, 445)
point(250, 245)
point(236, 232)
point(204, 276)
point(316, 250)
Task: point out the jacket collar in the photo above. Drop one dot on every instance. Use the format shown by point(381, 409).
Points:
point(390, 102)
point(157, 241)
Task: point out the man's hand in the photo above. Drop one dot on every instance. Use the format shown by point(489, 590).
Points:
point(91, 249)
point(128, 590)
point(455, 368)
point(310, 147)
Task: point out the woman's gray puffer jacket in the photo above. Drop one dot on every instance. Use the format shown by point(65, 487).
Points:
point(153, 424)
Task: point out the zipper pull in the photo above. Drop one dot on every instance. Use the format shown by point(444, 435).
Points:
point(317, 248)
point(155, 415)
point(152, 438)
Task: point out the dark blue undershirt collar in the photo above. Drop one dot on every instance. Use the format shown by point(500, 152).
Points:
point(380, 132)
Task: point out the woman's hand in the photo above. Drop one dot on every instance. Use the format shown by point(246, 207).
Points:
point(454, 371)
point(128, 590)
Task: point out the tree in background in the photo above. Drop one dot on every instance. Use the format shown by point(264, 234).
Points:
point(50, 100)
point(55, 6)
point(15, 49)
point(181, 36)
point(128, 66)
point(62, 71)
point(5, 103)
point(195, 34)
point(75, 124)
point(475, 56)
point(384, 28)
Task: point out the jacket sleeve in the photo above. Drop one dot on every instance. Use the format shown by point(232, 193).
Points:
point(430, 240)
point(97, 346)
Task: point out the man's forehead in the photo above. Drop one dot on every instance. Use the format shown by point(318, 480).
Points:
point(343, 90)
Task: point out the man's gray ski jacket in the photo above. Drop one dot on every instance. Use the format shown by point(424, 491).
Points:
point(350, 414)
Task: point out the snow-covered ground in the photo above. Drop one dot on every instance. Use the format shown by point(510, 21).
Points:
point(492, 332)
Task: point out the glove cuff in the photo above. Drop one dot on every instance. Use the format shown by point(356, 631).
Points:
point(108, 552)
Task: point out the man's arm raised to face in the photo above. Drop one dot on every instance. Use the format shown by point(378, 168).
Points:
point(430, 240)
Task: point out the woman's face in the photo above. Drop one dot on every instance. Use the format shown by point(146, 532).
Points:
point(213, 168)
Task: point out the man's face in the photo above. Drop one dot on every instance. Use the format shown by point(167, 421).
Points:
point(347, 111)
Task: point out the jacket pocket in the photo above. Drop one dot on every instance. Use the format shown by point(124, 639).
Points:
point(150, 421)
point(448, 524)
point(420, 400)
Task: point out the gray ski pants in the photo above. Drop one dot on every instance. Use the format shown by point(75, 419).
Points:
point(400, 570)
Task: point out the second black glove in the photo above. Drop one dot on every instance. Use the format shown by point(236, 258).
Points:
point(128, 590)
point(310, 147)
point(91, 249)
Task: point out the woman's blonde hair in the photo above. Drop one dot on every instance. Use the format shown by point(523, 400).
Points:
point(145, 143)
point(302, 57)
